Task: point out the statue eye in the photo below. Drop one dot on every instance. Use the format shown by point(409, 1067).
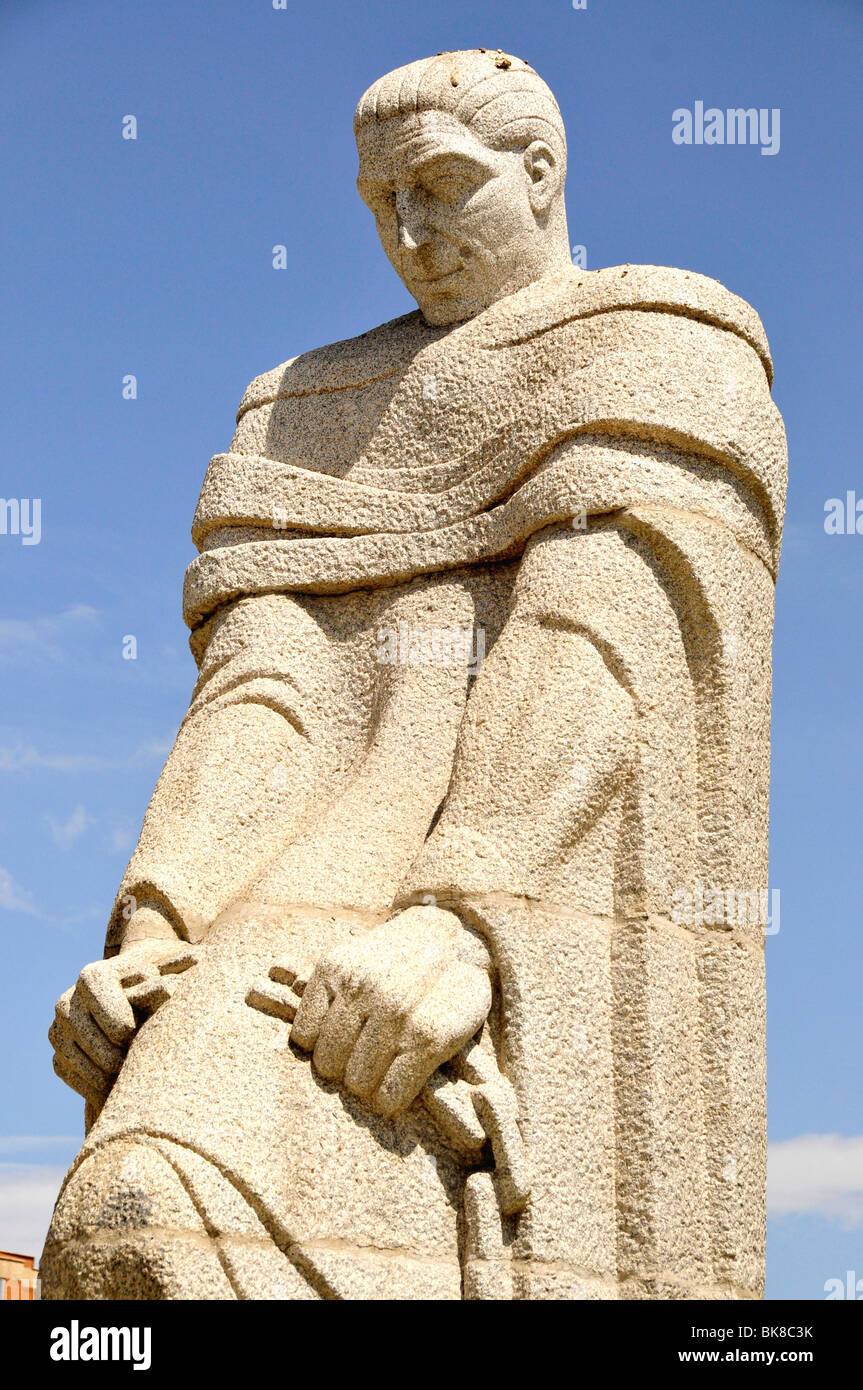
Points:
point(450, 188)
point(377, 197)
point(382, 203)
point(449, 182)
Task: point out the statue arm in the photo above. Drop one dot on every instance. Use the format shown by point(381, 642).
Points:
point(545, 750)
point(148, 937)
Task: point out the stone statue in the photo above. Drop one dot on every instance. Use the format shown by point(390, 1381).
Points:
point(409, 991)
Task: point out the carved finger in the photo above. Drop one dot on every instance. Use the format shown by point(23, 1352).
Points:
point(476, 1064)
point(77, 1082)
point(448, 1016)
point(67, 1049)
point(296, 975)
point(179, 962)
point(403, 1082)
point(339, 1032)
point(64, 1003)
point(72, 1014)
point(276, 1000)
point(150, 993)
point(450, 1104)
point(373, 1055)
point(104, 996)
point(497, 1109)
point(62, 1012)
point(313, 1009)
point(452, 1012)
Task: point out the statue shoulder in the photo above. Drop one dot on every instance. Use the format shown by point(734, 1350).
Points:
point(667, 289)
point(336, 366)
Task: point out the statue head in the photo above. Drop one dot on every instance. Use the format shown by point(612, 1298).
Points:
point(462, 162)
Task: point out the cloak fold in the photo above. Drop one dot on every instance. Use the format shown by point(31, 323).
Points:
point(564, 399)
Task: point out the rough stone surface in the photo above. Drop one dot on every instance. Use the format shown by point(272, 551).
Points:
point(409, 990)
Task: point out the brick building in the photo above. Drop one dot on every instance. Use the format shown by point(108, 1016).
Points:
point(19, 1277)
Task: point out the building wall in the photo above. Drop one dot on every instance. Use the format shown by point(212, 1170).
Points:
point(19, 1277)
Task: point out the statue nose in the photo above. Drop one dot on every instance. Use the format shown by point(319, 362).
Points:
point(406, 241)
point(412, 233)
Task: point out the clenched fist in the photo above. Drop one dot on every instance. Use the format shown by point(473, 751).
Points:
point(383, 1010)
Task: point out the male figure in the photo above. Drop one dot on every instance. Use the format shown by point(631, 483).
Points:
point(528, 1079)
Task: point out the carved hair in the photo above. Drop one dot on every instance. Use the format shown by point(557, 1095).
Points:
point(500, 99)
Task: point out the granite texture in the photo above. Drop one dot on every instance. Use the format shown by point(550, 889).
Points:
point(397, 1000)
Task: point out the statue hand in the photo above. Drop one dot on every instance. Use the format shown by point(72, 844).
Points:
point(97, 1018)
point(383, 1010)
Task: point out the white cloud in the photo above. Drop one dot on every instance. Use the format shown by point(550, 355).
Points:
point(821, 1174)
point(65, 833)
point(43, 639)
point(154, 748)
point(27, 1143)
point(122, 839)
point(22, 757)
point(13, 897)
point(28, 1192)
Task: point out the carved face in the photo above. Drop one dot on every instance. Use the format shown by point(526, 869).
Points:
point(461, 224)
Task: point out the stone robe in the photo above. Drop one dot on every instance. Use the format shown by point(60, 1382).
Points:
point(588, 478)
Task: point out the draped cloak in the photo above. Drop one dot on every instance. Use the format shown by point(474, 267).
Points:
point(604, 446)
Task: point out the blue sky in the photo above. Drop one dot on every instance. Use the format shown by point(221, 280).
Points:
point(153, 257)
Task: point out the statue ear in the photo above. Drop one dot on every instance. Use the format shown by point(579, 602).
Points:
point(543, 169)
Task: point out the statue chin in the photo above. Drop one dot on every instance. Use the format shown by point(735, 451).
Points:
point(440, 309)
point(443, 315)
